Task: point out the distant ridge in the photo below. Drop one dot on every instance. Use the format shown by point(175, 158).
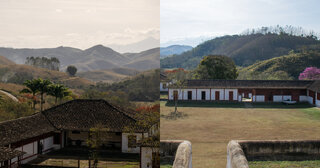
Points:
point(95, 58)
point(243, 49)
point(173, 49)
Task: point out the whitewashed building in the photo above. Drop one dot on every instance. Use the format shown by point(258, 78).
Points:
point(68, 124)
point(253, 90)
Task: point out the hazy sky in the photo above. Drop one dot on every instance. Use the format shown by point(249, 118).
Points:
point(77, 23)
point(181, 19)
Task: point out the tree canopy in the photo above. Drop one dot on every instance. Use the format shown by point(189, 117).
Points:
point(71, 70)
point(216, 67)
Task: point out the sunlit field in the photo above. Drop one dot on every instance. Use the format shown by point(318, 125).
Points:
point(211, 128)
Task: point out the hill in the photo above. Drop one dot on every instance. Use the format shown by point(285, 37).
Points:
point(173, 49)
point(5, 61)
point(19, 73)
point(284, 67)
point(243, 49)
point(95, 58)
point(109, 76)
point(145, 60)
point(142, 87)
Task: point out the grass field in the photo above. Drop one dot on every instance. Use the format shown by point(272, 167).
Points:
point(211, 128)
point(285, 164)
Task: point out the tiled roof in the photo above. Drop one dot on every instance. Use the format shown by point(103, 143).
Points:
point(277, 84)
point(7, 153)
point(23, 128)
point(74, 115)
point(84, 114)
point(315, 86)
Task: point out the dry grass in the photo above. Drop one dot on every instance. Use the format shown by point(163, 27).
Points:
point(210, 129)
point(85, 163)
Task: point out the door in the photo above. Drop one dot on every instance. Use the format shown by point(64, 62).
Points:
point(175, 95)
point(231, 95)
point(217, 95)
point(203, 95)
point(189, 95)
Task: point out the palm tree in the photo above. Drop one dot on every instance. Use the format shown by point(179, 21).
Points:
point(43, 87)
point(33, 88)
point(58, 91)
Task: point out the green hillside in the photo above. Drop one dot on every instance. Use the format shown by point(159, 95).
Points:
point(243, 49)
point(284, 67)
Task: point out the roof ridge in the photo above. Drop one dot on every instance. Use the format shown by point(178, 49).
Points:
point(20, 118)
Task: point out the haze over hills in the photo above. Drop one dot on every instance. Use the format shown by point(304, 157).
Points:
point(109, 76)
point(95, 58)
point(5, 61)
point(243, 49)
point(173, 49)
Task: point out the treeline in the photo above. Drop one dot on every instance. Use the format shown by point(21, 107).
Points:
point(282, 30)
point(52, 63)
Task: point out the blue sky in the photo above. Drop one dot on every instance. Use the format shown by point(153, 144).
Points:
point(191, 19)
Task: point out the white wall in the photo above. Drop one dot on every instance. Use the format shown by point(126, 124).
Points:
point(199, 94)
point(146, 157)
point(277, 98)
point(287, 97)
point(213, 94)
point(258, 98)
point(303, 98)
point(185, 94)
point(235, 94)
point(171, 94)
point(164, 89)
point(125, 148)
point(47, 144)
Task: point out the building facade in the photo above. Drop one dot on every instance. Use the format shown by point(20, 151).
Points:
point(248, 90)
point(68, 124)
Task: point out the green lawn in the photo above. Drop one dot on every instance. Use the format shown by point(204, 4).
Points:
point(285, 164)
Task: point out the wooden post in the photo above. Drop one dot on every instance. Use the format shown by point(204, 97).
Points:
point(89, 163)
point(78, 163)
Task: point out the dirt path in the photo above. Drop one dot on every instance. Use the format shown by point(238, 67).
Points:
point(9, 95)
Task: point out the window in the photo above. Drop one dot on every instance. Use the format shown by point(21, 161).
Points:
point(118, 133)
point(189, 95)
point(56, 138)
point(164, 85)
point(75, 132)
point(132, 141)
point(203, 95)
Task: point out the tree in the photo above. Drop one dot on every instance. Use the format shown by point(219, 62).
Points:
point(97, 136)
point(58, 91)
point(71, 70)
point(33, 88)
point(43, 87)
point(216, 67)
point(310, 73)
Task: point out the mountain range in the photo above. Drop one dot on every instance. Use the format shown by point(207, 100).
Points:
point(173, 49)
point(97, 57)
point(245, 50)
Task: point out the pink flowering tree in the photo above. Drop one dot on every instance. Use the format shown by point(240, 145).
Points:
point(310, 73)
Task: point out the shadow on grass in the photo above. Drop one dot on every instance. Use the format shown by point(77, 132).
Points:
point(174, 115)
point(236, 104)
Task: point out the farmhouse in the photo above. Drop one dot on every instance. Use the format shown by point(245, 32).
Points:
point(68, 124)
point(244, 90)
